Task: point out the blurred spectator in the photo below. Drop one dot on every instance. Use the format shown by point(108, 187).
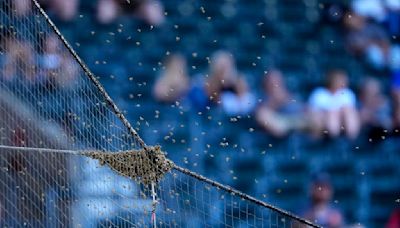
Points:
point(396, 100)
point(58, 68)
point(320, 209)
point(279, 113)
point(150, 11)
point(173, 82)
point(394, 220)
point(360, 33)
point(19, 60)
point(107, 11)
point(334, 107)
point(16, 23)
point(64, 10)
point(393, 18)
point(370, 40)
point(223, 86)
point(381, 11)
point(50, 58)
point(367, 40)
point(374, 107)
point(227, 87)
point(22, 7)
point(374, 9)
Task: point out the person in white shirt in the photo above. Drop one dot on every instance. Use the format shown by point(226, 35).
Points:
point(333, 108)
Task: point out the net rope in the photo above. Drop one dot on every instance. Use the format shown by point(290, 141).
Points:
point(52, 108)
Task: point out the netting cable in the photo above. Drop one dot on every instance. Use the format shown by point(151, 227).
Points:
point(36, 149)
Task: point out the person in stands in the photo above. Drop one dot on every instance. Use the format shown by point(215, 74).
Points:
point(280, 112)
point(333, 107)
point(173, 83)
point(320, 209)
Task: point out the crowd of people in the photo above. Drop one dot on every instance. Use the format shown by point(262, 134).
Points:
point(107, 11)
point(372, 30)
point(50, 66)
point(331, 109)
point(43, 60)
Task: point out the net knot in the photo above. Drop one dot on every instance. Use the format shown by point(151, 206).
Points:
point(145, 166)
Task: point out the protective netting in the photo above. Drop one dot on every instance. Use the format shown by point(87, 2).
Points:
point(54, 118)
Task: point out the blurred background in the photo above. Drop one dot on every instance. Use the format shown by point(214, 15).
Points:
point(294, 102)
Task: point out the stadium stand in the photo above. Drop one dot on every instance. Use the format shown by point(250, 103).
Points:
point(126, 55)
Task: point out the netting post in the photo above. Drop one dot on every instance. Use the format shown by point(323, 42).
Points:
point(154, 205)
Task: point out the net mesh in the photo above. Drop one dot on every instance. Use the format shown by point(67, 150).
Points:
point(51, 114)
